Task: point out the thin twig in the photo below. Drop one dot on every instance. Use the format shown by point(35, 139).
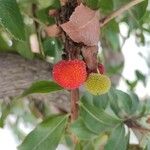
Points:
point(121, 10)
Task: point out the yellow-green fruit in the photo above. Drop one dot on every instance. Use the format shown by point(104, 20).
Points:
point(97, 84)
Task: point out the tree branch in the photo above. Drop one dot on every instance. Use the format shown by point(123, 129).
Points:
point(17, 74)
point(74, 105)
point(116, 13)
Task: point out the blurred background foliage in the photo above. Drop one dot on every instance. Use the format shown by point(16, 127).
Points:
point(34, 18)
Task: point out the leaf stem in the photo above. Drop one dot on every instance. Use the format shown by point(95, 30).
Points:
point(121, 10)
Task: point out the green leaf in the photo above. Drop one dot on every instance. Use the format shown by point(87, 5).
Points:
point(147, 146)
point(85, 145)
point(96, 119)
point(94, 4)
point(83, 133)
point(111, 32)
point(88, 146)
point(117, 140)
point(3, 44)
point(113, 99)
point(106, 6)
point(135, 102)
point(53, 4)
point(115, 68)
point(124, 102)
point(140, 9)
point(5, 111)
point(78, 147)
point(24, 49)
point(42, 87)
point(45, 136)
point(131, 84)
point(88, 98)
point(11, 19)
point(101, 101)
point(117, 3)
point(140, 77)
point(52, 46)
point(43, 16)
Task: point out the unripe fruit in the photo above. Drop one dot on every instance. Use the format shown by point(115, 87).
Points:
point(97, 84)
point(101, 68)
point(70, 74)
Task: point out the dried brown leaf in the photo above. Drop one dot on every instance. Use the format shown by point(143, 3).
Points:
point(90, 57)
point(53, 31)
point(83, 26)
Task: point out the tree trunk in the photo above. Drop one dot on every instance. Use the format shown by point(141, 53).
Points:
point(17, 74)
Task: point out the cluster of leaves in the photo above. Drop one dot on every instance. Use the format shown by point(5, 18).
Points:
point(103, 121)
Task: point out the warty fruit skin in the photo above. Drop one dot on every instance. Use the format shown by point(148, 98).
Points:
point(97, 84)
point(70, 74)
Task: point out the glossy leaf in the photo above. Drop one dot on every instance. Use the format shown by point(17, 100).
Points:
point(131, 84)
point(3, 44)
point(94, 4)
point(135, 102)
point(96, 119)
point(52, 46)
point(135, 16)
point(147, 146)
point(24, 49)
point(43, 16)
point(140, 9)
point(111, 31)
point(5, 111)
point(78, 147)
point(106, 6)
point(124, 102)
point(113, 100)
point(42, 87)
point(101, 101)
point(118, 3)
point(11, 19)
point(88, 146)
point(140, 77)
point(49, 3)
point(117, 140)
point(46, 135)
point(83, 133)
